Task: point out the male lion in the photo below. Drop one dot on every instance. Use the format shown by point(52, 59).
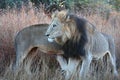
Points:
point(30, 37)
point(79, 40)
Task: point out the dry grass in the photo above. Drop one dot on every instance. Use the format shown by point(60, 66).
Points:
point(42, 66)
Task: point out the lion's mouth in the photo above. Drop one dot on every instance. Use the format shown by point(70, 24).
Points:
point(51, 39)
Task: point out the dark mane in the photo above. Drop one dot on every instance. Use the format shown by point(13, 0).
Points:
point(76, 48)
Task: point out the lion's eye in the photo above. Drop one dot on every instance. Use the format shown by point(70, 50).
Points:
point(54, 25)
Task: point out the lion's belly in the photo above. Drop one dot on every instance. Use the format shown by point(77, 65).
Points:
point(97, 56)
point(100, 45)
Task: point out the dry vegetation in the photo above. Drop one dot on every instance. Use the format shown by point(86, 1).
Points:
point(43, 66)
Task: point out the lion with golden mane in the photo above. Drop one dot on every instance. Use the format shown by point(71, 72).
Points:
point(79, 40)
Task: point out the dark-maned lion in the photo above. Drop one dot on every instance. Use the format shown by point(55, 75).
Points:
point(30, 37)
point(79, 40)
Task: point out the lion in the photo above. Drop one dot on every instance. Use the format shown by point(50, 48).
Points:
point(33, 37)
point(80, 40)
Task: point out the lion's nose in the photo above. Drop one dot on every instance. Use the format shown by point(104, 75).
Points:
point(47, 34)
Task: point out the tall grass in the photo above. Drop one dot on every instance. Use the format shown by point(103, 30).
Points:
point(42, 66)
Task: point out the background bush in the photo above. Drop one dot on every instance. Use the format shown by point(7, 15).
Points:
point(70, 4)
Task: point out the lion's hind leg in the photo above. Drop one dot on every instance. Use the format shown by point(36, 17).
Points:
point(18, 61)
point(112, 54)
point(21, 54)
point(113, 61)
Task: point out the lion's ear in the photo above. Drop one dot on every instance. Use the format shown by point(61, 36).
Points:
point(66, 16)
point(54, 14)
point(62, 15)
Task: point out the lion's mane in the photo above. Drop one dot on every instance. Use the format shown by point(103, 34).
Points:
point(74, 47)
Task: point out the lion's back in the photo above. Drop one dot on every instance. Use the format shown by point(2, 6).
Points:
point(29, 34)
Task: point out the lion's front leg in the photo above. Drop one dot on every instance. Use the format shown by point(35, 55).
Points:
point(85, 66)
point(62, 62)
point(72, 68)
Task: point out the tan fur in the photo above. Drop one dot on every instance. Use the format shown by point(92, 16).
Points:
point(97, 46)
point(30, 37)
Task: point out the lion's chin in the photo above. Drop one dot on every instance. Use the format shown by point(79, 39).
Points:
point(50, 40)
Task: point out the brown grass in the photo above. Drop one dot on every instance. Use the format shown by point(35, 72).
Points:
point(42, 66)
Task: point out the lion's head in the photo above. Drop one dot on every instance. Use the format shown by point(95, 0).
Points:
point(70, 31)
point(61, 28)
point(66, 26)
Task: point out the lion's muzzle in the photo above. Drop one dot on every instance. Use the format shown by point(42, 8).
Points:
point(50, 40)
